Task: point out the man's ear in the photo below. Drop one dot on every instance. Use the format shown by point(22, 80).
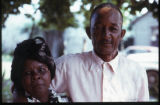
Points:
point(88, 32)
point(123, 33)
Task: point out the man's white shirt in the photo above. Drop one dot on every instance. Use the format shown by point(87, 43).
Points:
point(87, 78)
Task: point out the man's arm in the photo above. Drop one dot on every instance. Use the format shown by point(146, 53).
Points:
point(143, 90)
point(59, 83)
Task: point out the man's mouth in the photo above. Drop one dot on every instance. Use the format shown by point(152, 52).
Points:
point(106, 42)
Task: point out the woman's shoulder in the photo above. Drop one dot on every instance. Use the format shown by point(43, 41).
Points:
point(19, 99)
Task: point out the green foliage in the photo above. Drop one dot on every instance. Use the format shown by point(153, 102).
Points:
point(56, 14)
point(6, 90)
point(133, 6)
point(11, 7)
point(139, 5)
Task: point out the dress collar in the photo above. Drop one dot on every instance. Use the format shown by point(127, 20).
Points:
point(113, 63)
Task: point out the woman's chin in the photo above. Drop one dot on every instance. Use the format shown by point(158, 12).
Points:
point(40, 90)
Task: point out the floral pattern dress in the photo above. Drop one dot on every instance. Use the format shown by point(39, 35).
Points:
point(53, 97)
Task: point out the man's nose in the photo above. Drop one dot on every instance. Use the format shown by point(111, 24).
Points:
point(107, 33)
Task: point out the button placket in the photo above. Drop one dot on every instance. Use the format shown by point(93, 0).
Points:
point(106, 83)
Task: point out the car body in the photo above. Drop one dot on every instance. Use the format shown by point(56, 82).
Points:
point(146, 56)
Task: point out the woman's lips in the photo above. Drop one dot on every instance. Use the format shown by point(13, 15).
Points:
point(37, 84)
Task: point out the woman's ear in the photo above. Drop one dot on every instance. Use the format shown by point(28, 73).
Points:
point(88, 32)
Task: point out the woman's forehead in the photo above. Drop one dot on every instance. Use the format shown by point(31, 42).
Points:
point(33, 63)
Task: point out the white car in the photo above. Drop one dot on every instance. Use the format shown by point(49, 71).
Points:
point(147, 56)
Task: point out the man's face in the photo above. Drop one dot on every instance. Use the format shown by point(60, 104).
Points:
point(106, 31)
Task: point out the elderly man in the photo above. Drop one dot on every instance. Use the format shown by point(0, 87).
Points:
point(102, 75)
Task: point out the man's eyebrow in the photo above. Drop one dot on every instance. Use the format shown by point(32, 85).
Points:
point(114, 24)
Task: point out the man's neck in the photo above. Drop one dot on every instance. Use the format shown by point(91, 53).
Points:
point(107, 57)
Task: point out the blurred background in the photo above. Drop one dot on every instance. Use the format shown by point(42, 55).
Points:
point(62, 24)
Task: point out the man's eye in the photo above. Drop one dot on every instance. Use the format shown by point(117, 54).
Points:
point(113, 29)
point(97, 27)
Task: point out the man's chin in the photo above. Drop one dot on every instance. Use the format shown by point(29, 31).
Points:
point(105, 53)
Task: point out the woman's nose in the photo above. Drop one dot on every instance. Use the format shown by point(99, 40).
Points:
point(36, 76)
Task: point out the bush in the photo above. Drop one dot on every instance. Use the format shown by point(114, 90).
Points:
point(6, 90)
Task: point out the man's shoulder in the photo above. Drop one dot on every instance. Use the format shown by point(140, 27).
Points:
point(132, 65)
point(72, 58)
point(127, 61)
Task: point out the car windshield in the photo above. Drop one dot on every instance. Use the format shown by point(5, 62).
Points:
point(137, 51)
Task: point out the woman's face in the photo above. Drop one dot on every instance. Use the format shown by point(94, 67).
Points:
point(36, 78)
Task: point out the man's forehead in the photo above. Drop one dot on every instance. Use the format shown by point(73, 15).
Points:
point(106, 12)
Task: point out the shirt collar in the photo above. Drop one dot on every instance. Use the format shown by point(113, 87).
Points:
point(97, 59)
point(113, 63)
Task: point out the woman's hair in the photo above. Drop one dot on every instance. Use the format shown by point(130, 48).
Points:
point(35, 49)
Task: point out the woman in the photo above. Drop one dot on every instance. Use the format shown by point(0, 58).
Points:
point(32, 71)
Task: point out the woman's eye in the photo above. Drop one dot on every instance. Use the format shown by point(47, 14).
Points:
point(42, 70)
point(28, 73)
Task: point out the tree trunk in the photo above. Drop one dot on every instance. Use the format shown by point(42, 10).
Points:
point(54, 40)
